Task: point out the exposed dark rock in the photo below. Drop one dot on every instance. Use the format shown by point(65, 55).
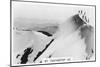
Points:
point(24, 57)
point(41, 52)
point(77, 21)
point(46, 33)
point(87, 32)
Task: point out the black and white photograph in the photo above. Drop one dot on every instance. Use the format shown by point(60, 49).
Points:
point(51, 33)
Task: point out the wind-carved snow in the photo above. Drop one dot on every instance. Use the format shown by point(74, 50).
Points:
point(37, 42)
point(71, 46)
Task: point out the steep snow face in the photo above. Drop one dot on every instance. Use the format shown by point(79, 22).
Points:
point(67, 43)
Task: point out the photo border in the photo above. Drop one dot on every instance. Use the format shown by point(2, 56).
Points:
point(47, 3)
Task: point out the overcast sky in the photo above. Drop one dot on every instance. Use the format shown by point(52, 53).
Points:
point(57, 12)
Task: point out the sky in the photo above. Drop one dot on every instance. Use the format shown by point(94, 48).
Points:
point(43, 11)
